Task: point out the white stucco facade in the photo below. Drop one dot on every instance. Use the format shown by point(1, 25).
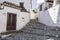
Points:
point(33, 15)
point(50, 17)
point(27, 3)
point(20, 23)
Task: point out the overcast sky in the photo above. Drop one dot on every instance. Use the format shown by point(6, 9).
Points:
point(1, 0)
point(34, 4)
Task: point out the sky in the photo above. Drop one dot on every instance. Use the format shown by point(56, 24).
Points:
point(34, 4)
point(0, 0)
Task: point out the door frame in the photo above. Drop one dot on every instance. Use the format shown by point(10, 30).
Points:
point(7, 21)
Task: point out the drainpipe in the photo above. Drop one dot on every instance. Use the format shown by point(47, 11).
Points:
point(55, 3)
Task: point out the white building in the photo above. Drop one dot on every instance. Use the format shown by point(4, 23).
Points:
point(14, 16)
point(49, 12)
point(33, 14)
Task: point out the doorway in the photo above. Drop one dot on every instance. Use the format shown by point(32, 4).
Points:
point(11, 21)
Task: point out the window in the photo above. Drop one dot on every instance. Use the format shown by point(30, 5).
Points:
point(50, 5)
point(21, 4)
point(51, 1)
point(41, 7)
point(45, 8)
point(1, 6)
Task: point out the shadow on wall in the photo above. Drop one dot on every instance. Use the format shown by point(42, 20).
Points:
point(50, 17)
point(58, 19)
point(45, 18)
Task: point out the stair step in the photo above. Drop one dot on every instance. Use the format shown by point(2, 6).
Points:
point(27, 36)
point(36, 31)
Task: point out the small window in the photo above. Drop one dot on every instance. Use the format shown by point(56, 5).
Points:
point(21, 4)
point(50, 5)
point(45, 8)
point(1, 6)
point(41, 7)
point(51, 1)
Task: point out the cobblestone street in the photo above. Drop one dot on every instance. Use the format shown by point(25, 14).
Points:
point(36, 31)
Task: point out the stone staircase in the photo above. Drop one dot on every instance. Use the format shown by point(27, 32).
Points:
point(36, 31)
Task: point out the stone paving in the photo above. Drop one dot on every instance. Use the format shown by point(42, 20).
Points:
point(36, 31)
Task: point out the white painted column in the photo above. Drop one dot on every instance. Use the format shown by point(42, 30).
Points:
point(55, 3)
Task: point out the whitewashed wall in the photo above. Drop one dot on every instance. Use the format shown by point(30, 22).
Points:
point(20, 22)
point(26, 3)
point(32, 15)
point(17, 2)
point(50, 17)
point(39, 2)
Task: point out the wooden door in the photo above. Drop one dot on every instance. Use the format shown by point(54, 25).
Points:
point(11, 21)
